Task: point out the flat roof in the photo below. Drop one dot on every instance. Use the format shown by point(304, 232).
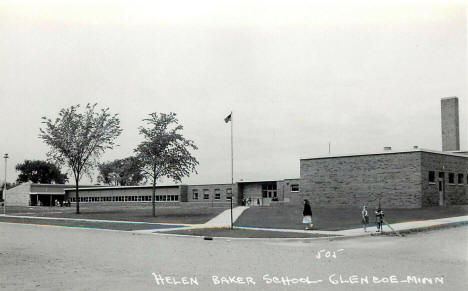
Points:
point(120, 187)
point(213, 184)
point(390, 152)
point(61, 185)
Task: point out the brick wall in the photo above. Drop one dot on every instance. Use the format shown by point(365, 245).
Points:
point(252, 190)
point(19, 195)
point(211, 190)
point(454, 193)
point(354, 181)
point(288, 195)
point(450, 126)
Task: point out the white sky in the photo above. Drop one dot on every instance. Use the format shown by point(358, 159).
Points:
point(297, 74)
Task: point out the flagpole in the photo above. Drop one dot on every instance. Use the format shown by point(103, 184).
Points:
point(232, 166)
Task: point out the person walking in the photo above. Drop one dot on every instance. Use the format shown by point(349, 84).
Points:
point(379, 215)
point(307, 215)
point(365, 217)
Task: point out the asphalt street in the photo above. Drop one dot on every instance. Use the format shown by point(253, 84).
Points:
point(35, 257)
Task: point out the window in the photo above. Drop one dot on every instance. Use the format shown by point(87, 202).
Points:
point(195, 194)
point(269, 190)
point(228, 193)
point(217, 194)
point(294, 187)
point(460, 178)
point(206, 194)
point(451, 178)
point(176, 197)
point(431, 177)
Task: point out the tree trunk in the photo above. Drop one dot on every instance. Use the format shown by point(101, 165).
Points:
point(153, 197)
point(77, 196)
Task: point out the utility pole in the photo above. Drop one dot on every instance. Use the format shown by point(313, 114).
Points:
point(5, 156)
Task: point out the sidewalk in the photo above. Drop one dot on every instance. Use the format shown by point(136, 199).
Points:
point(401, 227)
point(221, 220)
point(224, 220)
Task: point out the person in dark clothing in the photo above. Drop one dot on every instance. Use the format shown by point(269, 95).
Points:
point(379, 215)
point(307, 215)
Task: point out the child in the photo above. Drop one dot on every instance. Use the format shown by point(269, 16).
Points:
point(379, 219)
point(365, 217)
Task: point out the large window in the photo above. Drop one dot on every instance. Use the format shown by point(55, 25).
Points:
point(431, 177)
point(217, 194)
point(460, 178)
point(451, 179)
point(269, 190)
point(294, 187)
point(206, 194)
point(195, 194)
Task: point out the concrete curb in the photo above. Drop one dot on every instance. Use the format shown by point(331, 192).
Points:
point(428, 228)
point(224, 238)
point(329, 238)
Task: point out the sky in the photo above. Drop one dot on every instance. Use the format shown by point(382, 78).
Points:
point(298, 76)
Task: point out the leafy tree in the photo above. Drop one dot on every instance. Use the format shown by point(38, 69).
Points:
point(164, 152)
point(38, 171)
point(78, 139)
point(123, 172)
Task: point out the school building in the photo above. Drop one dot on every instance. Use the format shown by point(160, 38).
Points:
point(398, 179)
point(255, 193)
point(411, 178)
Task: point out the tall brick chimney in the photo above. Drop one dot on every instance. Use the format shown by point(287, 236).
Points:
point(450, 127)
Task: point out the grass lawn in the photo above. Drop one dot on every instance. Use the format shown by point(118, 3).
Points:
point(181, 214)
point(87, 224)
point(290, 216)
point(243, 233)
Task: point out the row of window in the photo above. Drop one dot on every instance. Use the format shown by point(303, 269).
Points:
point(217, 194)
point(158, 198)
point(460, 178)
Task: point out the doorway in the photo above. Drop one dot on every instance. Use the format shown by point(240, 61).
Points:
point(441, 185)
point(269, 190)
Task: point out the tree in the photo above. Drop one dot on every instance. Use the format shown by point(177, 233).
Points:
point(38, 171)
point(78, 139)
point(164, 152)
point(123, 172)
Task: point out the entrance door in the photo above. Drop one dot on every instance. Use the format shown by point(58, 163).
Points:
point(441, 184)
